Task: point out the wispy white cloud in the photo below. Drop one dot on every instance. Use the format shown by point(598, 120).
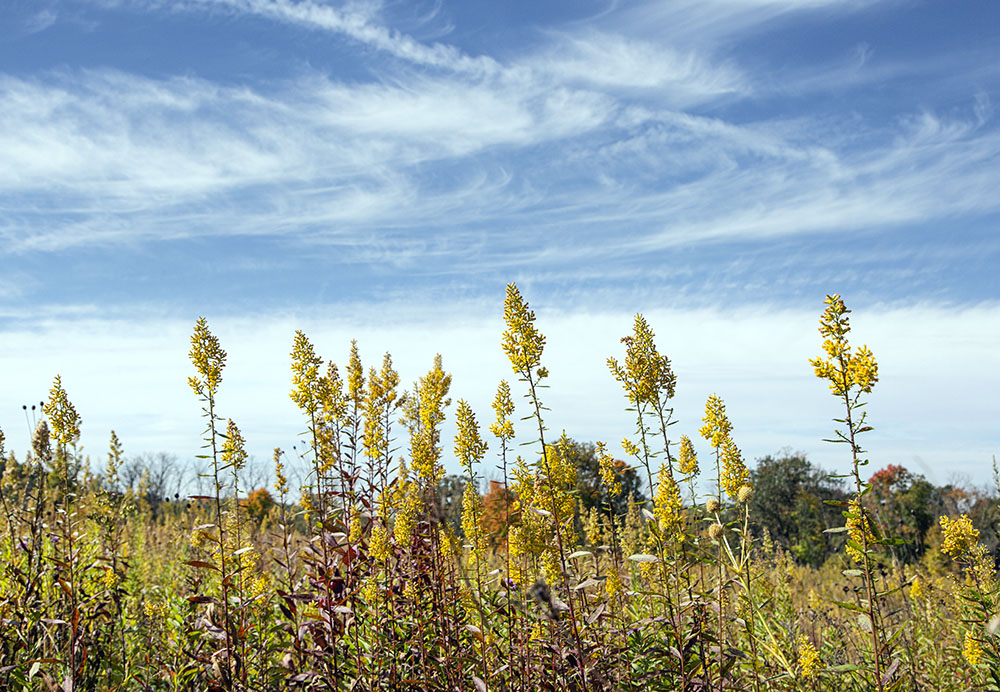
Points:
point(40, 21)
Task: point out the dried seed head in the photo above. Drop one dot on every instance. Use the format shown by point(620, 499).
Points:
point(715, 531)
point(744, 494)
point(712, 505)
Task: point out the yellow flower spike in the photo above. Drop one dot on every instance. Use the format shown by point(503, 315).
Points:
point(521, 341)
point(716, 426)
point(503, 405)
point(607, 466)
point(630, 447)
point(63, 418)
point(687, 459)
point(305, 375)
point(469, 446)
point(858, 529)
point(808, 657)
point(208, 358)
point(735, 474)
point(472, 516)
point(379, 545)
point(431, 398)
point(972, 650)
point(917, 589)
point(355, 376)
point(234, 447)
point(959, 536)
point(667, 507)
point(613, 584)
point(646, 374)
point(844, 370)
point(281, 482)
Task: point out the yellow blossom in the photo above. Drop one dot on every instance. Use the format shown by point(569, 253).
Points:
point(646, 374)
point(972, 650)
point(379, 545)
point(63, 418)
point(521, 341)
point(356, 530)
point(110, 578)
point(208, 358)
point(306, 380)
point(667, 506)
point(687, 460)
point(717, 426)
point(234, 447)
point(630, 447)
point(503, 406)
point(917, 589)
point(281, 484)
point(959, 535)
point(808, 657)
point(735, 474)
point(607, 466)
point(355, 376)
point(858, 529)
point(613, 584)
point(469, 446)
point(426, 415)
point(845, 371)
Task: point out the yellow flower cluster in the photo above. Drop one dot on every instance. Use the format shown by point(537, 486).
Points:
point(667, 507)
point(408, 501)
point(63, 418)
point(281, 482)
point(521, 341)
point(469, 446)
point(355, 376)
point(379, 546)
point(917, 589)
point(717, 426)
point(208, 358)
point(356, 531)
point(646, 375)
point(735, 474)
point(845, 371)
point(972, 650)
point(431, 398)
point(959, 536)
point(606, 465)
point(687, 459)
point(154, 609)
point(115, 454)
point(613, 584)
point(234, 447)
point(379, 401)
point(110, 579)
point(472, 518)
point(808, 657)
point(593, 530)
point(306, 380)
point(858, 529)
point(370, 591)
point(503, 405)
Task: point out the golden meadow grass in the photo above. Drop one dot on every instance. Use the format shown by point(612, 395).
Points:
point(359, 582)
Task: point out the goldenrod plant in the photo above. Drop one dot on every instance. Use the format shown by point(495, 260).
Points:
point(366, 566)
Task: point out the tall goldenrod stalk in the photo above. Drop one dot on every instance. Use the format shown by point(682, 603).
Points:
point(65, 424)
point(523, 344)
point(503, 429)
point(851, 374)
point(209, 359)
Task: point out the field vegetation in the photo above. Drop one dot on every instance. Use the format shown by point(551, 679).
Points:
point(384, 573)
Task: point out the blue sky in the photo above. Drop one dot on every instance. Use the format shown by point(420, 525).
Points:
point(380, 170)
